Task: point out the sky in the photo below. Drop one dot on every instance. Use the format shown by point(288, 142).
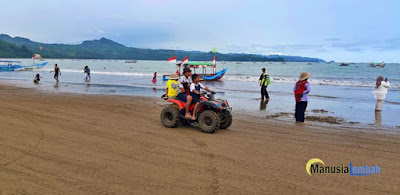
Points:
point(340, 30)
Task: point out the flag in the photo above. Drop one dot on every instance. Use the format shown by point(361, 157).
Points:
point(214, 59)
point(185, 61)
point(213, 50)
point(172, 60)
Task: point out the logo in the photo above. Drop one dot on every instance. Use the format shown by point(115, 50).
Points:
point(317, 166)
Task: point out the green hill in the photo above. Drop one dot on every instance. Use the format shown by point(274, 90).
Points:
point(108, 49)
point(8, 50)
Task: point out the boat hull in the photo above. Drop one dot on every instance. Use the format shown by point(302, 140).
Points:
point(206, 77)
point(8, 68)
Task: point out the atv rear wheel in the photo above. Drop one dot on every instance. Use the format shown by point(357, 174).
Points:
point(170, 116)
point(227, 121)
point(208, 121)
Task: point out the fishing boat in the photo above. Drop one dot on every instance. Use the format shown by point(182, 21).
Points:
point(200, 68)
point(344, 64)
point(378, 65)
point(6, 66)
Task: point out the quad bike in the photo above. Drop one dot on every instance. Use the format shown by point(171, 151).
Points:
point(212, 114)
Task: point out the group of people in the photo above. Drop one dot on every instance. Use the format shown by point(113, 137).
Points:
point(187, 88)
point(57, 73)
point(302, 88)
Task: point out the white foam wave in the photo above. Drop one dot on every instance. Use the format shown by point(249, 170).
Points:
point(339, 82)
point(108, 73)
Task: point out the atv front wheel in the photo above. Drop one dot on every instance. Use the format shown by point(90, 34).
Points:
point(208, 121)
point(170, 116)
point(227, 121)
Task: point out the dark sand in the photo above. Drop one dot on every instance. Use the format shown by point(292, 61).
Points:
point(64, 143)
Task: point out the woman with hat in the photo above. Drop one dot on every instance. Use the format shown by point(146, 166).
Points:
point(301, 90)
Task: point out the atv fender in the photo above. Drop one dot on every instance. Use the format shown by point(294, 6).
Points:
point(177, 102)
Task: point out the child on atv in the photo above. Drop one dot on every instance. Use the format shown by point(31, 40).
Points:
point(184, 84)
point(172, 86)
point(195, 88)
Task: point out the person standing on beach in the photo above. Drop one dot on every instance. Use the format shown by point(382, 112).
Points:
point(154, 77)
point(381, 89)
point(264, 82)
point(301, 90)
point(57, 72)
point(86, 70)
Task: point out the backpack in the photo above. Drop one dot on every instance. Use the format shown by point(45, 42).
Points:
point(300, 88)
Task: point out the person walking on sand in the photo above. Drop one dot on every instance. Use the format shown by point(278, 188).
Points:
point(381, 89)
point(57, 72)
point(301, 90)
point(264, 82)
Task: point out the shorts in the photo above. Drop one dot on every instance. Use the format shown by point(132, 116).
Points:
point(196, 98)
point(182, 96)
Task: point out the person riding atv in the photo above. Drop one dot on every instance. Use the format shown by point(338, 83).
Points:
point(211, 114)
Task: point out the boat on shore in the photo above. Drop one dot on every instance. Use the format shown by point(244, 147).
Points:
point(7, 66)
point(200, 68)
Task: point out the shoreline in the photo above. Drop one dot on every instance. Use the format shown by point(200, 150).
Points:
point(316, 117)
point(75, 143)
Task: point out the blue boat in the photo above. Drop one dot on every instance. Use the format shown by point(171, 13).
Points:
point(215, 76)
point(7, 66)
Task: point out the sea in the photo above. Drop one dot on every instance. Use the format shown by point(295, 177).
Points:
point(342, 93)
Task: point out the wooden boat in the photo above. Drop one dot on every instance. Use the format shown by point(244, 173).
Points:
point(200, 68)
point(344, 64)
point(378, 65)
point(7, 66)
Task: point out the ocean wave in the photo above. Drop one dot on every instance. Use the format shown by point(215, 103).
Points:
point(147, 74)
point(339, 82)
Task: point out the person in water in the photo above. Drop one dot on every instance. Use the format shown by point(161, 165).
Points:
point(154, 77)
point(86, 70)
point(57, 72)
point(381, 89)
point(264, 82)
point(37, 79)
point(301, 90)
point(172, 88)
point(195, 90)
point(184, 85)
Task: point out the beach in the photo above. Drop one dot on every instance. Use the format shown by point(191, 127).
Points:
point(101, 144)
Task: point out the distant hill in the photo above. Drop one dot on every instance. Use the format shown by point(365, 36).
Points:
point(8, 50)
point(108, 49)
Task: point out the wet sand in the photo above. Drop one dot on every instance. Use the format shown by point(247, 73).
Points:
point(66, 143)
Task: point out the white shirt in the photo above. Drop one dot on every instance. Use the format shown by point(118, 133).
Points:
point(381, 91)
point(193, 86)
point(182, 79)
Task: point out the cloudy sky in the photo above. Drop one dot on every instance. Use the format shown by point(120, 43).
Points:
point(340, 30)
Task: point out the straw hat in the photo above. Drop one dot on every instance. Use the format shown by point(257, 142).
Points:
point(173, 76)
point(303, 76)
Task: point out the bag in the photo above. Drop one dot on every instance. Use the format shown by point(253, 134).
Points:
point(300, 88)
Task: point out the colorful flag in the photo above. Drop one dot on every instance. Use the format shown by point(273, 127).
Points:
point(213, 50)
point(172, 60)
point(214, 60)
point(185, 61)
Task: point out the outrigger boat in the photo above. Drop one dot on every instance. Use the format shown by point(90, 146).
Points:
point(6, 66)
point(201, 68)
